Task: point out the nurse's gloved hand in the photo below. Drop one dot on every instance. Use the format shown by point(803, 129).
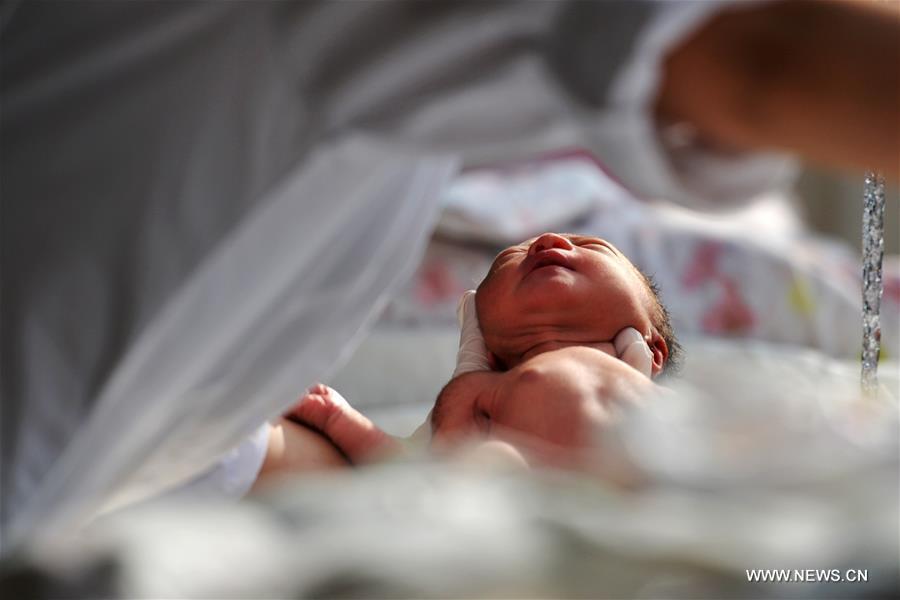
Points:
point(324, 410)
point(472, 354)
point(632, 349)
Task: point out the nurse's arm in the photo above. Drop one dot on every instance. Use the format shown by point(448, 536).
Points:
point(819, 79)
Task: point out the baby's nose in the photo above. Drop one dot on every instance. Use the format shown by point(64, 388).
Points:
point(547, 241)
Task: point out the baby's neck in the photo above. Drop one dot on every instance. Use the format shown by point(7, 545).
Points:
point(550, 345)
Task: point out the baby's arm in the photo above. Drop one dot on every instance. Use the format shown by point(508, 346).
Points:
point(294, 448)
point(361, 441)
point(322, 432)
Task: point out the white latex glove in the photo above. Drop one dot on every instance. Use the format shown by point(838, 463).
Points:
point(633, 350)
point(472, 354)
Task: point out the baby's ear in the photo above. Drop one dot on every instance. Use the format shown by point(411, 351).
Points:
point(660, 350)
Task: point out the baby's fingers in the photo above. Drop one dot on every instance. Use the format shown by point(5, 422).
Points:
point(326, 411)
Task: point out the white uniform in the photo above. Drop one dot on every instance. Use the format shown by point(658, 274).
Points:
point(204, 204)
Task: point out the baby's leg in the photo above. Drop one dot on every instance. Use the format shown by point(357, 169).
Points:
point(326, 411)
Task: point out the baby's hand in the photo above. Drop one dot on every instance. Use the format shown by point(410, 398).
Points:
point(325, 410)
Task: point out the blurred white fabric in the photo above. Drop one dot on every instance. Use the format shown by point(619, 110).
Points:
point(225, 352)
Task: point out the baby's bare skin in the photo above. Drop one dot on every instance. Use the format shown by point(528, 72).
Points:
point(546, 411)
point(549, 309)
point(560, 290)
point(550, 406)
point(295, 448)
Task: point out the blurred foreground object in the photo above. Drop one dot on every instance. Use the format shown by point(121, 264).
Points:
point(734, 479)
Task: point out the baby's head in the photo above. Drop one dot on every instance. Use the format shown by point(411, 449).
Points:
point(560, 290)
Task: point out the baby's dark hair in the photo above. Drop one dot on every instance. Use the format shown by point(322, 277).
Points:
point(663, 323)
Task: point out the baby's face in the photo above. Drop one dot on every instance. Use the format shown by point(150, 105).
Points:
point(560, 290)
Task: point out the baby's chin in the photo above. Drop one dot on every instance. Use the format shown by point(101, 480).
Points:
point(514, 360)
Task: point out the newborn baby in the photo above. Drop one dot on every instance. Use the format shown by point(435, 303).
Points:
point(571, 332)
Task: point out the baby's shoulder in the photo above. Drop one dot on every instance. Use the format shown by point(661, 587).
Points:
point(570, 367)
point(570, 357)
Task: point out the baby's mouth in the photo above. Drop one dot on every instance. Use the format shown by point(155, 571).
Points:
point(547, 258)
